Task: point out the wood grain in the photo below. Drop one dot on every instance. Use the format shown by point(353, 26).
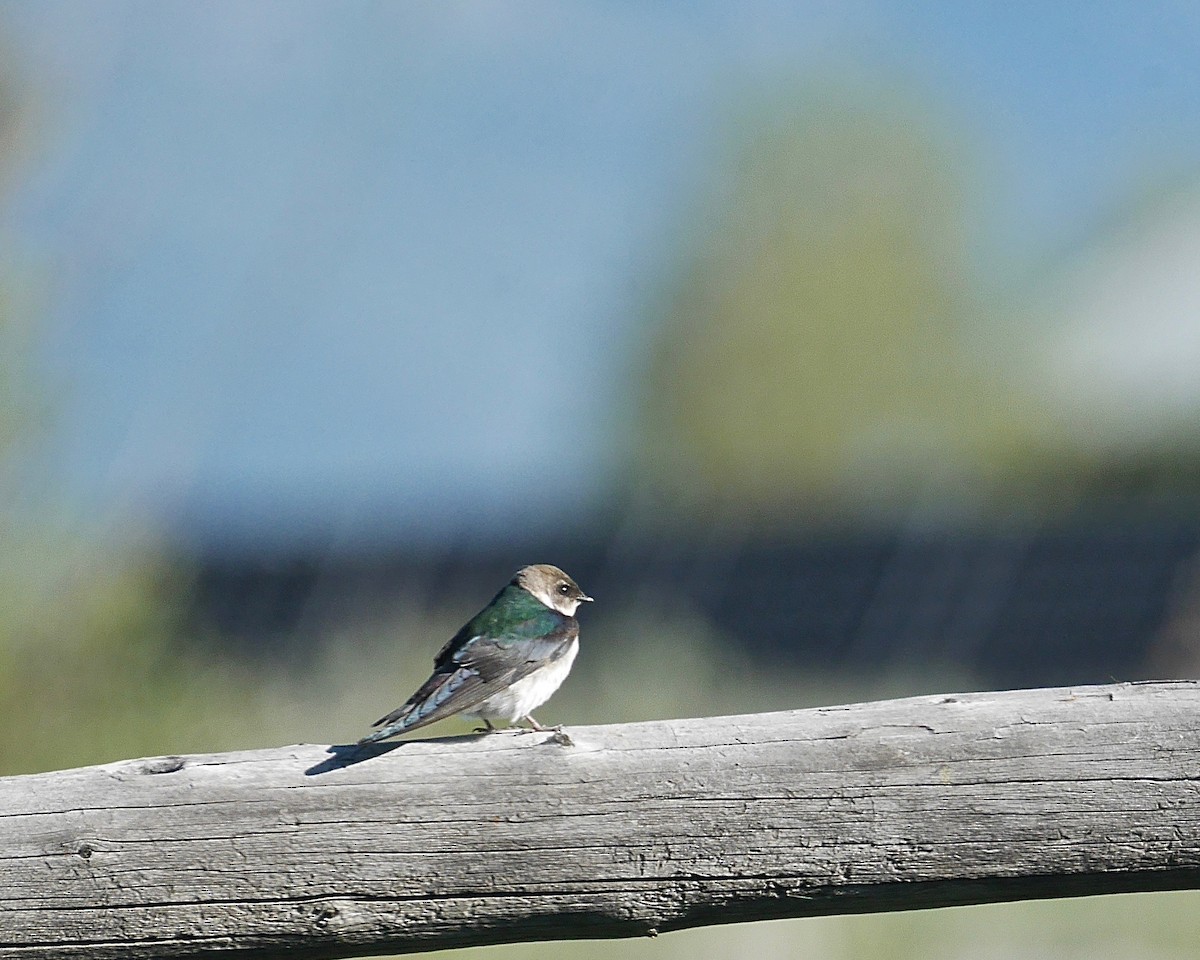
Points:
point(614, 831)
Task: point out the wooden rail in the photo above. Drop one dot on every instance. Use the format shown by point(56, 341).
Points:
point(612, 831)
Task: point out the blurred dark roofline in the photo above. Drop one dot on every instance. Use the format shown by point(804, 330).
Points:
point(1083, 599)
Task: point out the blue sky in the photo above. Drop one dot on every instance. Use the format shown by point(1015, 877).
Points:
point(331, 269)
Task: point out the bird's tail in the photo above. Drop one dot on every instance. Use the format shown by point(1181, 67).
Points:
point(434, 701)
point(401, 719)
point(384, 732)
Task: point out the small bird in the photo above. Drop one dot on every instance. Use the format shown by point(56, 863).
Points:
point(504, 662)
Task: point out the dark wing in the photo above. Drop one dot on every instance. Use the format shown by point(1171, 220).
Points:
point(465, 677)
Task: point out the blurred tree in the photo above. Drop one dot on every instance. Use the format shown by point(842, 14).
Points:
point(817, 352)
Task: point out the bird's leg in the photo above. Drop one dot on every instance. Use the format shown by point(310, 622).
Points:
point(488, 729)
point(538, 728)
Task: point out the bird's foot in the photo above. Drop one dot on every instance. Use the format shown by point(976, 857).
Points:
point(536, 727)
point(488, 728)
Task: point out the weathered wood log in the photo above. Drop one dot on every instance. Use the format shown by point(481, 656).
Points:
point(614, 831)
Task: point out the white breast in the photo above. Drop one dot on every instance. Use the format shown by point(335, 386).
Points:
point(529, 693)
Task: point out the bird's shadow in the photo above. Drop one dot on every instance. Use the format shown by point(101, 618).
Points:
point(348, 754)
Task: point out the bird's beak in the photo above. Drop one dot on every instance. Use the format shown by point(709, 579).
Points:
point(587, 598)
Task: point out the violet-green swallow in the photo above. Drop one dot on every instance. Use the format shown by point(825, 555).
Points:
point(505, 662)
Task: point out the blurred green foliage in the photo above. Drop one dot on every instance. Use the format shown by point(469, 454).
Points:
point(90, 666)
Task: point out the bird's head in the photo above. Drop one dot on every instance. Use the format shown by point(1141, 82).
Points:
point(553, 587)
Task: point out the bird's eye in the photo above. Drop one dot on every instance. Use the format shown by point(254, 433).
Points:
point(564, 589)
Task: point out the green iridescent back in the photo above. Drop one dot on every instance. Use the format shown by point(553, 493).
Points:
point(513, 615)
